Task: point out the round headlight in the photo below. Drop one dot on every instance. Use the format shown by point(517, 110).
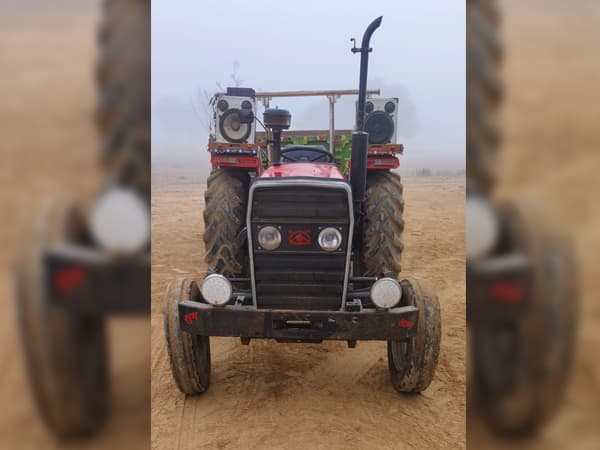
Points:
point(390, 107)
point(482, 227)
point(269, 238)
point(120, 220)
point(386, 293)
point(216, 289)
point(330, 239)
point(369, 107)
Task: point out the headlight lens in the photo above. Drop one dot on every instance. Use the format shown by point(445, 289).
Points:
point(482, 227)
point(386, 293)
point(120, 220)
point(330, 239)
point(269, 238)
point(216, 289)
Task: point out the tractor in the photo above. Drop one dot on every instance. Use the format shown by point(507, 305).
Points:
point(522, 293)
point(303, 237)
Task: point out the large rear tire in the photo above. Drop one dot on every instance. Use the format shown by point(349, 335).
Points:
point(189, 355)
point(522, 367)
point(412, 363)
point(383, 225)
point(226, 200)
point(123, 78)
point(484, 92)
point(65, 352)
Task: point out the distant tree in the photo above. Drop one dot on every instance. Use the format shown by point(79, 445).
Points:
point(201, 102)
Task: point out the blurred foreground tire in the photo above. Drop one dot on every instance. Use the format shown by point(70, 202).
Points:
point(65, 352)
point(522, 367)
point(484, 92)
point(123, 79)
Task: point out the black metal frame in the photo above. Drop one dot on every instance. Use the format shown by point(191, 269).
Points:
point(297, 325)
point(510, 268)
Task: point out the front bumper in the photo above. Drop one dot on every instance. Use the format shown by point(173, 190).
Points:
point(498, 288)
point(296, 325)
point(92, 282)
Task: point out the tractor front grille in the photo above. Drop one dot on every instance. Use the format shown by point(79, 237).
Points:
point(300, 276)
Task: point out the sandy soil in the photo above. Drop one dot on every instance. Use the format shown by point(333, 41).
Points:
point(49, 147)
point(551, 154)
point(270, 395)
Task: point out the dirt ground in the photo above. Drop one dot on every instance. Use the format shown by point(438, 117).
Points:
point(551, 117)
point(48, 148)
point(270, 395)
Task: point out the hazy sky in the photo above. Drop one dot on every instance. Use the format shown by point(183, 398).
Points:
point(419, 56)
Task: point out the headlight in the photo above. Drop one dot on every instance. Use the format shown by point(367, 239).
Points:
point(386, 293)
point(216, 289)
point(120, 220)
point(269, 238)
point(482, 227)
point(330, 239)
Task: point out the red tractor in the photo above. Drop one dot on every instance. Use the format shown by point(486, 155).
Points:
point(300, 252)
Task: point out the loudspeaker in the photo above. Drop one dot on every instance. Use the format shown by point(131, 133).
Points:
point(232, 113)
point(380, 120)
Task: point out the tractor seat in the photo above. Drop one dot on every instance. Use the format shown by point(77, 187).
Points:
point(305, 153)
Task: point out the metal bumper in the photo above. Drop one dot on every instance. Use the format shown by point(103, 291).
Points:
point(498, 288)
point(92, 282)
point(249, 322)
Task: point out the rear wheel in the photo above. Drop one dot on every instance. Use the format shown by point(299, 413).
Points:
point(65, 351)
point(224, 219)
point(189, 355)
point(522, 366)
point(382, 245)
point(123, 78)
point(412, 362)
point(484, 94)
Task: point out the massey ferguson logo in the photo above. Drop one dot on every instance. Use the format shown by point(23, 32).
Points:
point(299, 237)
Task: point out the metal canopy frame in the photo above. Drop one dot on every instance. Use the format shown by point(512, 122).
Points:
point(332, 96)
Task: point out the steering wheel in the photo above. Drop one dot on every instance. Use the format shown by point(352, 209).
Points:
point(306, 154)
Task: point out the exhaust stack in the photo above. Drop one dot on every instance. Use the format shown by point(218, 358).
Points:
point(360, 139)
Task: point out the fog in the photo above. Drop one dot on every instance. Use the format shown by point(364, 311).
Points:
point(419, 56)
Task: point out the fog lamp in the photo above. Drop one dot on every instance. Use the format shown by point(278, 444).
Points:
point(386, 293)
point(216, 289)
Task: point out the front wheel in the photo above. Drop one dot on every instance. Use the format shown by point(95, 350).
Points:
point(189, 355)
point(522, 366)
point(412, 362)
point(65, 352)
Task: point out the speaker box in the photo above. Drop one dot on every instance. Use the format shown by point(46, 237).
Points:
point(229, 111)
point(380, 120)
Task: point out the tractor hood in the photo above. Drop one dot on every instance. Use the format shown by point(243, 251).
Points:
point(312, 170)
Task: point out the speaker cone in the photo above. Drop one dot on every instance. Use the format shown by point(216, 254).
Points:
point(232, 128)
point(380, 127)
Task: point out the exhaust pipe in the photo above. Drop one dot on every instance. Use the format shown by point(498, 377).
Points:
point(360, 139)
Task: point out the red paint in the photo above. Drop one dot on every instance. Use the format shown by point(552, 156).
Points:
point(377, 162)
point(67, 280)
point(506, 292)
point(403, 323)
point(299, 237)
point(190, 317)
point(314, 170)
point(234, 160)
